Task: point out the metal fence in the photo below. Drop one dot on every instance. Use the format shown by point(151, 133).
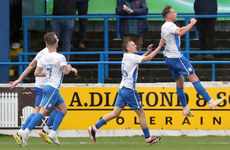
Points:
point(103, 63)
point(8, 109)
point(103, 72)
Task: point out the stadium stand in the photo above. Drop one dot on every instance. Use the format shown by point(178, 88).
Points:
point(148, 73)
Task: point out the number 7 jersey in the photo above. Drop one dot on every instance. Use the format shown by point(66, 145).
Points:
point(52, 64)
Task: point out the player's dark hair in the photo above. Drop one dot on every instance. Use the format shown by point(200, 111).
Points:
point(166, 10)
point(125, 45)
point(50, 39)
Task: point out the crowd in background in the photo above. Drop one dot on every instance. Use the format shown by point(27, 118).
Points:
point(129, 29)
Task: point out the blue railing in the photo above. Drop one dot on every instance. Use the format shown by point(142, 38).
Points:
point(102, 62)
point(186, 16)
point(106, 17)
point(104, 55)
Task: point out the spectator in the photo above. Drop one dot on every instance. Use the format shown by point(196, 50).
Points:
point(63, 27)
point(82, 8)
point(132, 29)
point(206, 26)
point(15, 22)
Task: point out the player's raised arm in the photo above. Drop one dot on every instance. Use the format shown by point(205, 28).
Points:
point(149, 49)
point(153, 54)
point(31, 66)
point(183, 30)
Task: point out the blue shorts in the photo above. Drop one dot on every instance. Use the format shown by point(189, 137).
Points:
point(51, 98)
point(179, 66)
point(128, 96)
point(39, 96)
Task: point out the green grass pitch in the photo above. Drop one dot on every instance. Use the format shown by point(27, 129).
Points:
point(122, 143)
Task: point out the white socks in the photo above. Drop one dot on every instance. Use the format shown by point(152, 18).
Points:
point(27, 131)
point(46, 128)
point(186, 108)
point(20, 132)
point(52, 133)
point(210, 102)
point(94, 128)
point(148, 139)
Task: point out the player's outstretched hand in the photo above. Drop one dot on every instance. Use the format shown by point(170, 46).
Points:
point(150, 47)
point(13, 84)
point(74, 70)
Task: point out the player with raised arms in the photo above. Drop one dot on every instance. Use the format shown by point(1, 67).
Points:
point(127, 93)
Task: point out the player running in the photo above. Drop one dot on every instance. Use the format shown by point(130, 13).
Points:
point(55, 67)
point(127, 93)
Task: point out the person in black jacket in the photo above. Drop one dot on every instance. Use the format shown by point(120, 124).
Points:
point(82, 8)
point(63, 27)
point(15, 22)
point(132, 29)
point(206, 26)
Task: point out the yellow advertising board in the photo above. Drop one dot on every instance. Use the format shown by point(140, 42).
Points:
point(163, 110)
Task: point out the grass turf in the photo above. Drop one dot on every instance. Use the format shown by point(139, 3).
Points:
point(122, 143)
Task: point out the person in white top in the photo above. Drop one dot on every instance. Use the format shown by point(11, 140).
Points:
point(38, 89)
point(127, 93)
point(178, 65)
point(55, 67)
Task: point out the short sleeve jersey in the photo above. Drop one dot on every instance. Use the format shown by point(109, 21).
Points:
point(172, 41)
point(41, 81)
point(52, 63)
point(129, 69)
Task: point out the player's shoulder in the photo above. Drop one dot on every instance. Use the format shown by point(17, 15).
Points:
point(43, 51)
point(131, 56)
point(168, 24)
point(59, 55)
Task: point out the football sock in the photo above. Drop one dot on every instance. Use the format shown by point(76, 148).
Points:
point(20, 132)
point(210, 102)
point(34, 121)
point(28, 121)
point(201, 90)
point(57, 121)
point(52, 132)
point(94, 128)
point(146, 132)
point(100, 123)
point(186, 108)
point(27, 131)
point(51, 118)
point(181, 96)
point(45, 129)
